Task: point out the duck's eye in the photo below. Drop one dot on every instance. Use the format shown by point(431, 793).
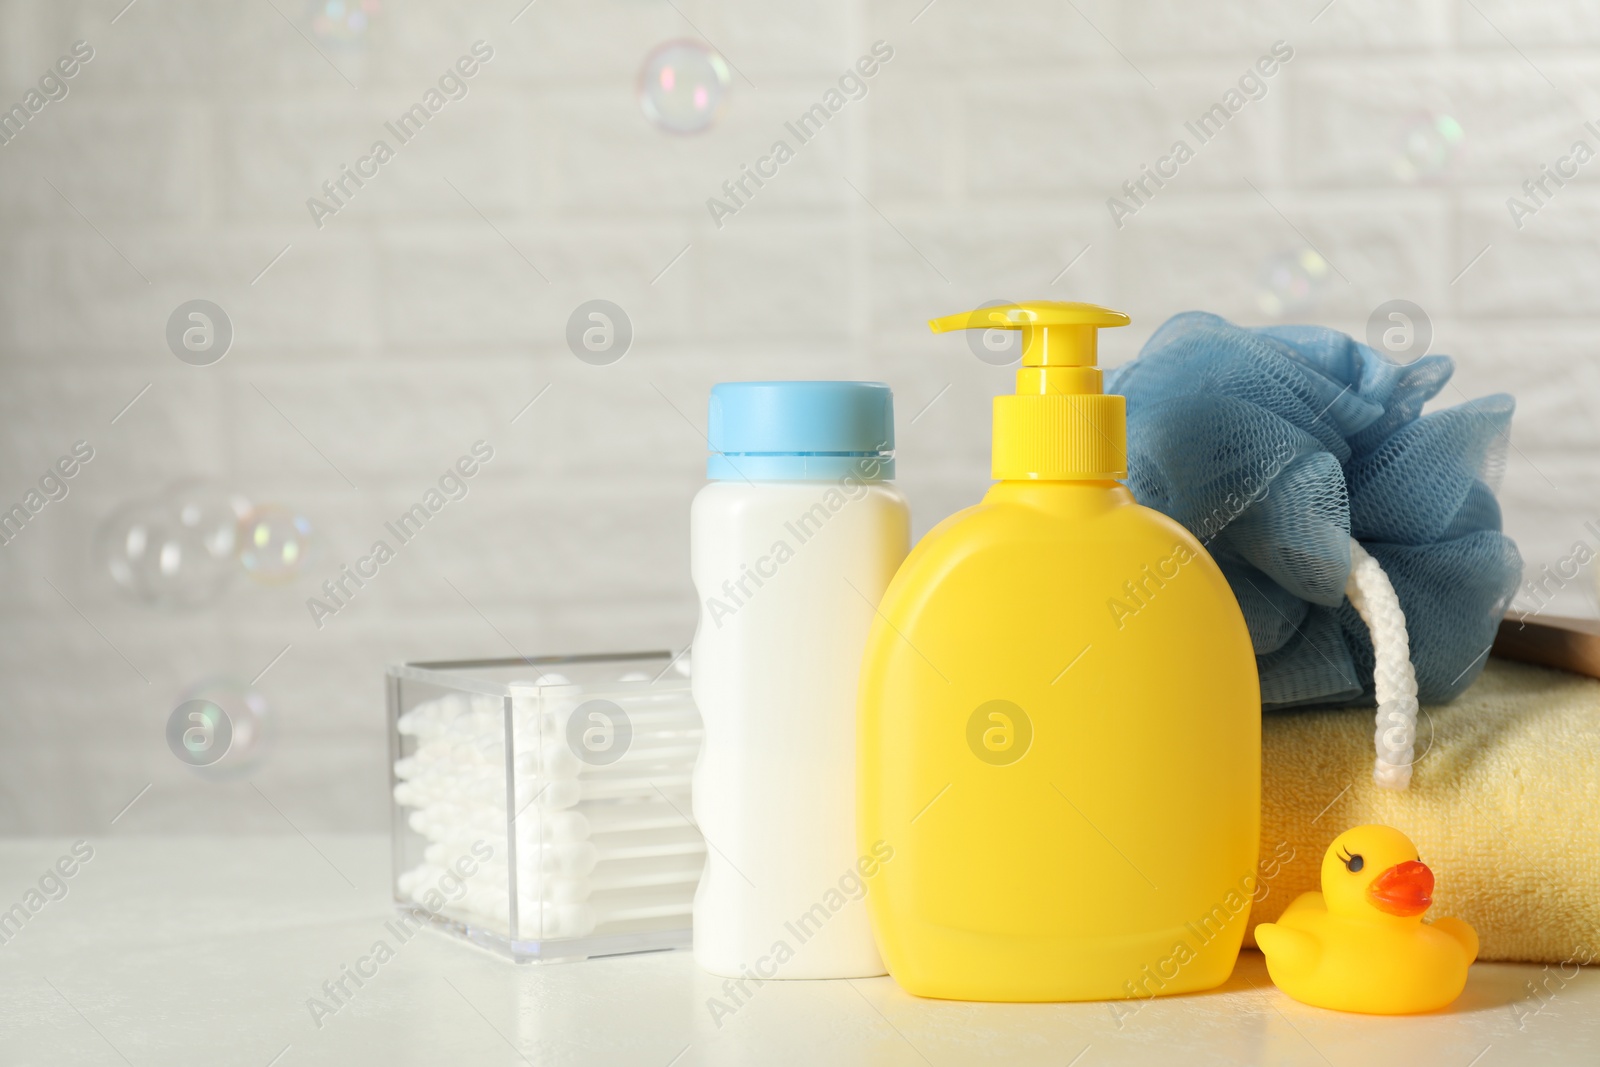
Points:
point(1354, 863)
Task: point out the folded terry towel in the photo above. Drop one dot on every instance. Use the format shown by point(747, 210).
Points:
point(1504, 807)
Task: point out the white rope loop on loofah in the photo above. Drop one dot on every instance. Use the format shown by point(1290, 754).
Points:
point(1394, 679)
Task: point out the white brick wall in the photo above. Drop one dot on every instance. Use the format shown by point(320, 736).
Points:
point(407, 328)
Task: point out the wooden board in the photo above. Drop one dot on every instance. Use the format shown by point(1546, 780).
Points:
point(1554, 641)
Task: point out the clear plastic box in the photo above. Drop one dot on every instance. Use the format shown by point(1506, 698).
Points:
point(541, 807)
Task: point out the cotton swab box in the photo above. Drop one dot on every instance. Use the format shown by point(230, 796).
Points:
point(541, 807)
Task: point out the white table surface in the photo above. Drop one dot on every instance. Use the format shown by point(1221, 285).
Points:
point(175, 951)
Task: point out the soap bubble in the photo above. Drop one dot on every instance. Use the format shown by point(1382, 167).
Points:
point(274, 543)
point(1427, 147)
point(341, 21)
point(681, 86)
point(199, 732)
point(219, 724)
point(1291, 283)
point(176, 549)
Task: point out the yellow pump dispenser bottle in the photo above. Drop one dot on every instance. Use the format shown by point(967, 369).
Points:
point(1059, 718)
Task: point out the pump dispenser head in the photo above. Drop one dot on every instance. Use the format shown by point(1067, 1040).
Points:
point(1060, 425)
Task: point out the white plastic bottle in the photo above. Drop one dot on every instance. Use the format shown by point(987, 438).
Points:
point(791, 545)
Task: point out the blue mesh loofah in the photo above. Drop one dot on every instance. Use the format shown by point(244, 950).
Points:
point(1276, 446)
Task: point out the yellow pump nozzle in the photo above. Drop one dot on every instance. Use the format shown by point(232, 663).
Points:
point(1059, 426)
point(1055, 337)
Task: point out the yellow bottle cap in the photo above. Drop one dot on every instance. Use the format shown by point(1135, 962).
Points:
point(1060, 425)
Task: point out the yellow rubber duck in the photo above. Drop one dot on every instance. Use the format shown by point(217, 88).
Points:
point(1361, 944)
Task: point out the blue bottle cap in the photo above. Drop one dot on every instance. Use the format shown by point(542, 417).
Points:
point(800, 431)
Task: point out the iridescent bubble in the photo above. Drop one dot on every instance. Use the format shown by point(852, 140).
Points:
point(681, 86)
point(199, 732)
point(173, 550)
point(274, 543)
point(1292, 282)
point(341, 21)
point(1427, 146)
point(244, 711)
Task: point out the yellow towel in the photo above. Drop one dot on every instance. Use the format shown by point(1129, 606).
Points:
point(1504, 805)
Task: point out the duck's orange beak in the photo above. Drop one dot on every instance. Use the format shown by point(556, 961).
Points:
point(1404, 889)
